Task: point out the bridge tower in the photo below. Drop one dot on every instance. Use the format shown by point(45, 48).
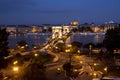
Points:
point(56, 32)
point(66, 29)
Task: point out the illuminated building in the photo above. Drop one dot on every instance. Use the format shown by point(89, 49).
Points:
point(75, 24)
point(66, 29)
point(11, 30)
point(35, 29)
point(109, 25)
point(57, 31)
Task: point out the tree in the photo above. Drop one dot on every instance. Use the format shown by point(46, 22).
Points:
point(22, 45)
point(77, 44)
point(89, 45)
point(99, 45)
point(68, 68)
point(74, 29)
point(50, 29)
point(4, 49)
point(34, 70)
point(112, 39)
point(60, 47)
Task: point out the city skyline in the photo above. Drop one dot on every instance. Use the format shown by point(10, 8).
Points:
point(58, 12)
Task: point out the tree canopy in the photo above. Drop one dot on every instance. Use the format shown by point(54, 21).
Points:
point(112, 39)
point(33, 70)
point(77, 44)
point(3, 43)
point(89, 45)
point(4, 49)
point(22, 44)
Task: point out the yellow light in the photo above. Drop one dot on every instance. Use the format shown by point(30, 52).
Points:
point(69, 45)
point(78, 51)
point(81, 62)
point(34, 29)
point(35, 47)
point(77, 57)
point(67, 50)
point(26, 45)
point(95, 74)
point(18, 46)
point(58, 69)
point(35, 54)
point(15, 62)
point(75, 70)
point(105, 69)
point(56, 47)
point(94, 64)
point(15, 69)
point(90, 46)
point(22, 47)
point(75, 23)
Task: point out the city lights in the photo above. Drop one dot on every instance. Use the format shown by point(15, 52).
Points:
point(35, 54)
point(15, 69)
point(15, 62)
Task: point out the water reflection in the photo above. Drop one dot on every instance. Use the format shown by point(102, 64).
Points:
point(30, 39)
point(40, 39)
point(87, 38)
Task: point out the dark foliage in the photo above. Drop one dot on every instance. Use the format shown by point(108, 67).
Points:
point(68, 68)
point(21, 44)
point(4, 43)
point(4, 49)
point(60, 47)
point(88, 45)
point(112, 39)
point(34, 70)
point(99, 45)
point(78, 44)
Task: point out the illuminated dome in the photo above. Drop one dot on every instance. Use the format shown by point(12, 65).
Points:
point(34, 29)
point(75, 23)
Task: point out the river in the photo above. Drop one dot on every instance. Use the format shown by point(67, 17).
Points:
point(42, 38)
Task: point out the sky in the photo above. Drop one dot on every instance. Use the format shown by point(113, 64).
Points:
point(58, 11)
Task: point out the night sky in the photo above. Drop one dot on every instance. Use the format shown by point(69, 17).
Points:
point(58, 11)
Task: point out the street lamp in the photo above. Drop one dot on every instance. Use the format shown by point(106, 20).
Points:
point(34, 47)
point(94, 64)
point(78, 51)
point(22, 47)
point(95, 74)
point(15, 62)
point(35, 54)
point(81, 62)
point(15, 69)
point(68, 51)
point(90, 48)
point(105, 69)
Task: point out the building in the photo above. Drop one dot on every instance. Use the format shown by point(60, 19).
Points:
point(109, 25)
point(57, 32)
point(23, 29)
point(74, 24)
point(11, 29)
point(96, 28)
point(66, 29)
point(36, 28)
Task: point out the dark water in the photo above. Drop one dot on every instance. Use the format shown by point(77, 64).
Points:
point(40, 39)
point(88, 38)
point(36, 40)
